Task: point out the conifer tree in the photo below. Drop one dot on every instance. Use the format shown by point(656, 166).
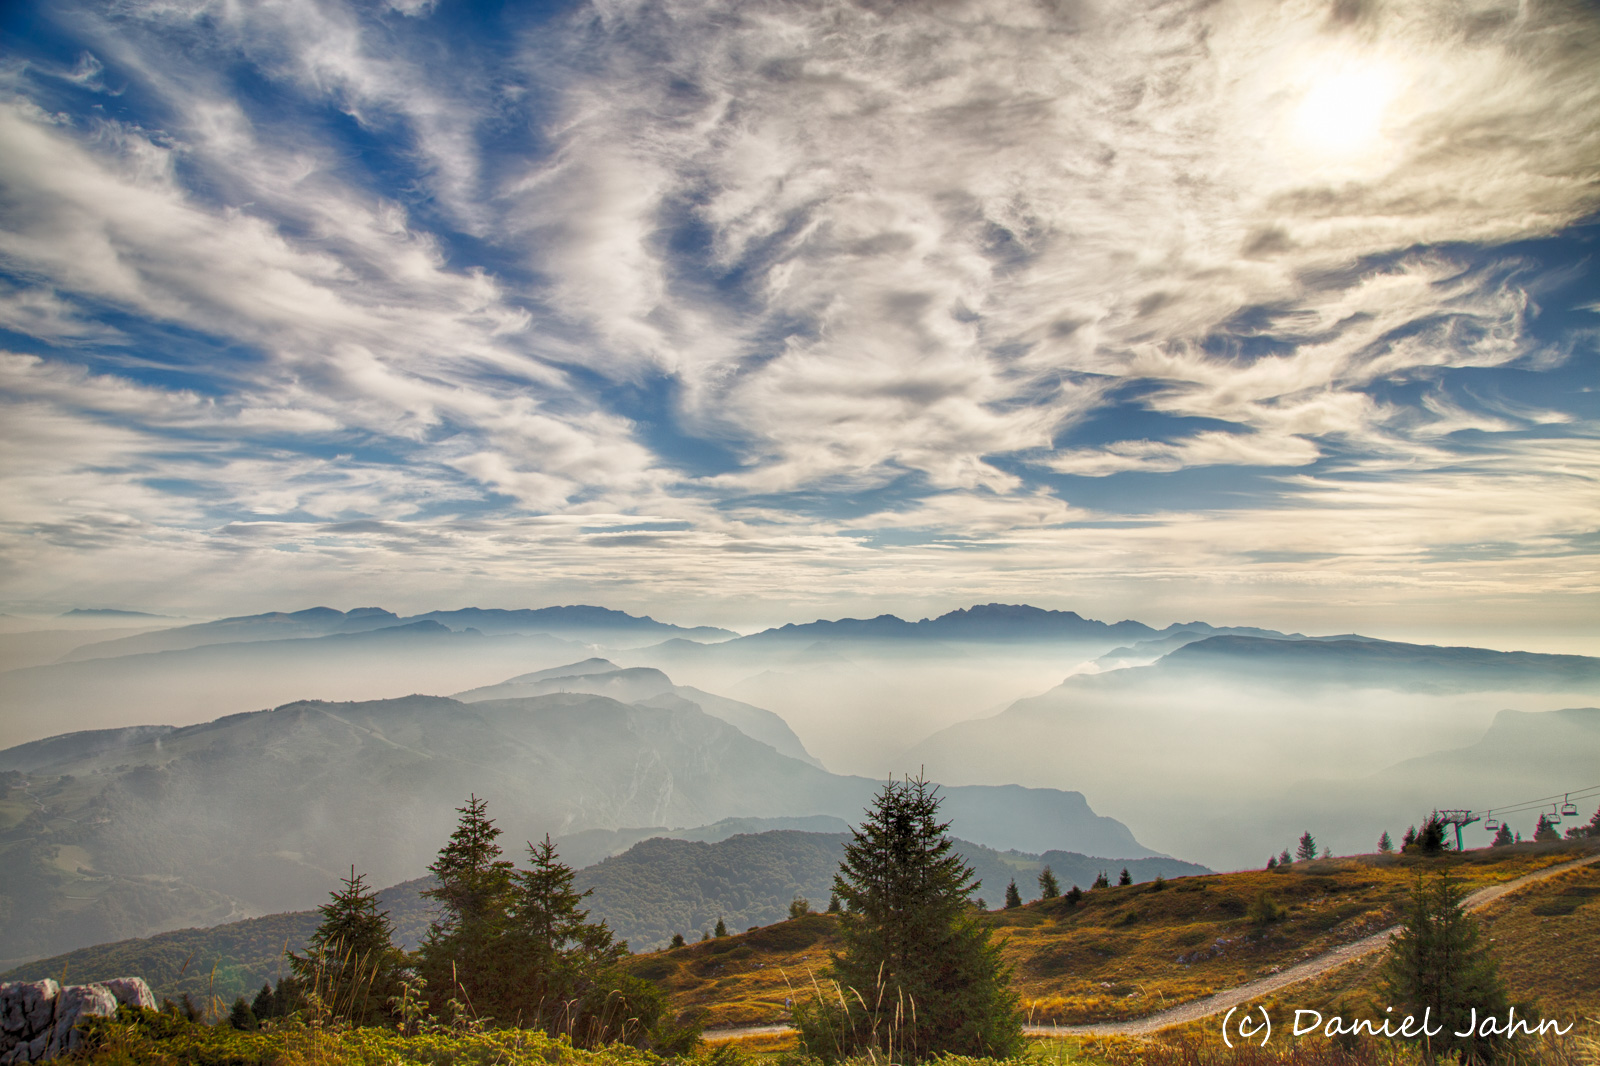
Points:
point(241, 1017)
point(1125, 878)
point(1544, 830)
point(1385, 845)
point(1430, 838)
point(553, 953)
point(922, 977)
point(350, 960)
point(1272, 862)
point(1307, 849)
point(1502, 836)
point(1049, 887)
point(1284, 858)
point(721, 929)
point(461, 953)
point(1440, 962)
point(677, 940)
point(1409, 839)
point(834, 906)
point(1013, 897)
point(1101, 881)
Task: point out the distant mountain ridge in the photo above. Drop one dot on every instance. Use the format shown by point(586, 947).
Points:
point(326, 621)
point(1360, 659)
point(261, 811)
point(650, 687)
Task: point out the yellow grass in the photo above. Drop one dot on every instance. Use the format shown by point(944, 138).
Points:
point(1125, 952)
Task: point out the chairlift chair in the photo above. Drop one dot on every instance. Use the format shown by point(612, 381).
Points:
point(1491, 823)
point(1569, 809)
point(1554, 817)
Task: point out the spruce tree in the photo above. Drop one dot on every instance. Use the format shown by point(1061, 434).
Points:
point(1125, 878)
point(677, 940)
point(1272, 862)
point(1049, 887)
point(1502, 836)
point(1545, 831)
point(553, 954)
point(351, 962)
point(1074, 894)
point(1284, 858)
point(1307, 849)
point(461, 956)
point(721, 929)
point(918, 972)
point(1101, 881)
point(1013, 897)
point(1385, 845)
point(1440, 962)
point(834, 906)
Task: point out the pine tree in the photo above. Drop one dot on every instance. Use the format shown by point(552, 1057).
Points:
point(552, 954)
point(1272, 862)
point(1284, 858)
point(1385, 845)
point(1125, 878)
point(1430, 838)
point(1440, 962)
point(350, 960)
point(1545, 831)
point(1327, 852)
point(1502, 836)
point(721, 929)
point(1049, 887)
point(241, 1017)
point(1101, 881)
point(677, 940)
point(1409, 839)
point(834, 906)
point(1307, 849)
point(1074, 894)
point(920, 974)
point(461, 956)
point(1013, 897)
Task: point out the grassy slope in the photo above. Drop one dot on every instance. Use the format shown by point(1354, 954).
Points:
point(1116, 954)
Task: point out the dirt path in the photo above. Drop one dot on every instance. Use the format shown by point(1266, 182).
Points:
point(1220, 1002)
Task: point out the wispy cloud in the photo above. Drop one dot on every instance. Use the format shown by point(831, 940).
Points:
point(363, 286)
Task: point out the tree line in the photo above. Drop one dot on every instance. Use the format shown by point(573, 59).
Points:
point(511, 946)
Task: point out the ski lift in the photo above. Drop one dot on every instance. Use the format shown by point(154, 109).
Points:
point(1491, 823)
point(1554, 817)
point(1569, 809)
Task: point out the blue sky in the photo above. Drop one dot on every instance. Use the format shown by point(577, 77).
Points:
point(739, 313)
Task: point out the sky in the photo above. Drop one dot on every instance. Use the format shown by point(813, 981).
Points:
point(749, 311)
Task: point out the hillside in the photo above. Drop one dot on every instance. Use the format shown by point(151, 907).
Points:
point(655, 888)
point(262, 812)
point(1126, 952)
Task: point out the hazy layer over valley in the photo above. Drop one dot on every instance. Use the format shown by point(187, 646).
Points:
point(146, 788)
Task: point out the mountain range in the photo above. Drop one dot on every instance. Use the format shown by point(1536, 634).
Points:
point(664, 884)
point(125, 833)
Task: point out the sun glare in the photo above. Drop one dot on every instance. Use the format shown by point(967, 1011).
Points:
point(1341, 116)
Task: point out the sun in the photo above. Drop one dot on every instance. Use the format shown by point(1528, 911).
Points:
point(1341, 116)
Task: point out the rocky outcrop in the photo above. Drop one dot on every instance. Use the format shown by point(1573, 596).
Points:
point(39, 1019)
